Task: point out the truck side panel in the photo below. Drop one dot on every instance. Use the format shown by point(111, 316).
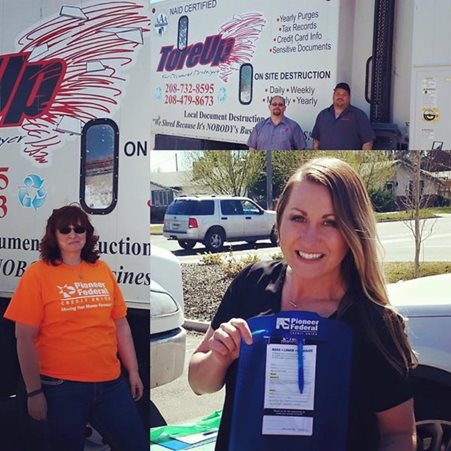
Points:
point(215, 66)
point(62, 66)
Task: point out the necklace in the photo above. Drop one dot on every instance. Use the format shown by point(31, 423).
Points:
point(293, 304)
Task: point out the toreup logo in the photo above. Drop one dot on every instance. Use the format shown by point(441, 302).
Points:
point(28, 88)
point(225, 50)
point(68, 69)
point(213, 51)
point(297, 325)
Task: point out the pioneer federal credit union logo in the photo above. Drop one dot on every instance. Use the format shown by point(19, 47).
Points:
point(298, 325)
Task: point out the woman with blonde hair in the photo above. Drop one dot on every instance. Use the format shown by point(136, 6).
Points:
point(327, 235)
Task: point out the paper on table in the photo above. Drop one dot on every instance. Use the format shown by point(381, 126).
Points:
point(198, 438)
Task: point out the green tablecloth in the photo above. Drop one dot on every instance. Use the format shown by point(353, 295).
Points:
point(206, 447)
point(167, 434)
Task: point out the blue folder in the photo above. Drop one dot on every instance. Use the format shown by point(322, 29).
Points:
point(327, 420)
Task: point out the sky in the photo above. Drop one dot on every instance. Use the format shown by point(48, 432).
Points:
point(168, 160)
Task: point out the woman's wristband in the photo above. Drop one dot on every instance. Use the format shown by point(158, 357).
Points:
point(34, 392)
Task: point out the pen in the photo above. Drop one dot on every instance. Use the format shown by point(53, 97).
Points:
point(210, 432)
point(300, 365)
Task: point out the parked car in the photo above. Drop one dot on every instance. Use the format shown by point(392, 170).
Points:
point(426, 302)
point(212, 220)
point(167, 336)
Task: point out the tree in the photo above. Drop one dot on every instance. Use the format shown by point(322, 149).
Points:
point(226, 172)
point(416, 198)
point(375, 167)
point(283, 164)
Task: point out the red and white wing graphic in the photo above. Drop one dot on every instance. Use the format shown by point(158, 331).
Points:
point(245, 29)
point(94, 44)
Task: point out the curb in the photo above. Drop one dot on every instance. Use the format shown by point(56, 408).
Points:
point(197, 326)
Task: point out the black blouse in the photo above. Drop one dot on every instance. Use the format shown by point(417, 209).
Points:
point(375, 384)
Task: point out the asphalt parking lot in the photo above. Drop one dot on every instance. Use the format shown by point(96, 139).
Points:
point(176, 401)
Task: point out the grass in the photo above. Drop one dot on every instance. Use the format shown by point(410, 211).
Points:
point(405, 215)
point(156, 229)
point(395, 271)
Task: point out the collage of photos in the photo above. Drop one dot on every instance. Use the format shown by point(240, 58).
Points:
point(225, 225)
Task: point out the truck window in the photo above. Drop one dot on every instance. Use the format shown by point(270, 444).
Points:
point(182, 39)
point(231, 207)
point(246, 75)
point(99, 166)
point(191, 207)
point(250, 208)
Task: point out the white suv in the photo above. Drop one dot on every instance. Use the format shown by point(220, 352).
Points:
point(215, 219)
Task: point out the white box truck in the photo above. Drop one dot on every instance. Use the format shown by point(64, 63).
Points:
point(216, 63)
point(74, 127)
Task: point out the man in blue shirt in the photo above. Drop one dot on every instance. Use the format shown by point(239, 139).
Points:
point(342, 126)
point(277, 132)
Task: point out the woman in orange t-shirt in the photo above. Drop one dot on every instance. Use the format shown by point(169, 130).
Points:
point(71, 326)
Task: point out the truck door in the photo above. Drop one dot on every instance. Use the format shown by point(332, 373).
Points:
point(255, 223)
point(232, 218)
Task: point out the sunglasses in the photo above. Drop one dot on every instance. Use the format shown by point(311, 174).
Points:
point(277, 104)
point(77, 229)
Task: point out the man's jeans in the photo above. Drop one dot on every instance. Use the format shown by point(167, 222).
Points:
point(108, 406)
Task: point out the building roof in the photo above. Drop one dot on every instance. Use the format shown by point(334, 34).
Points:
point(175, 180)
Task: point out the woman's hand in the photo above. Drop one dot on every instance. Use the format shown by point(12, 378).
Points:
point(218, 349)
point(127, 354)
point(37, 407)
point(136, 385)
point(226, 339)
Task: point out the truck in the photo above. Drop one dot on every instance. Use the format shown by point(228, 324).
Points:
point(168, 337)
point(215, 64)
point(74, 128)
point(426, 304)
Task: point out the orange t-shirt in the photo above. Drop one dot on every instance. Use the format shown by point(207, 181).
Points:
point(74, 308)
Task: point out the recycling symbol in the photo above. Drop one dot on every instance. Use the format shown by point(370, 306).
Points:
point(158, 93)
point(222, 95)
point(32, 193)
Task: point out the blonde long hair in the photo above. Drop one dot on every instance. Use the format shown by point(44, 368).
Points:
point(356, 221)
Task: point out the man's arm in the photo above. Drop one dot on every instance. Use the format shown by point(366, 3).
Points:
point(365, 131)
point(298, 138)
point(252, 140)
point(367, 146)
point(315, 144)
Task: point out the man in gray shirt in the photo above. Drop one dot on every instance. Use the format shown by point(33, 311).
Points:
point(342, 126)
point(277, 132)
